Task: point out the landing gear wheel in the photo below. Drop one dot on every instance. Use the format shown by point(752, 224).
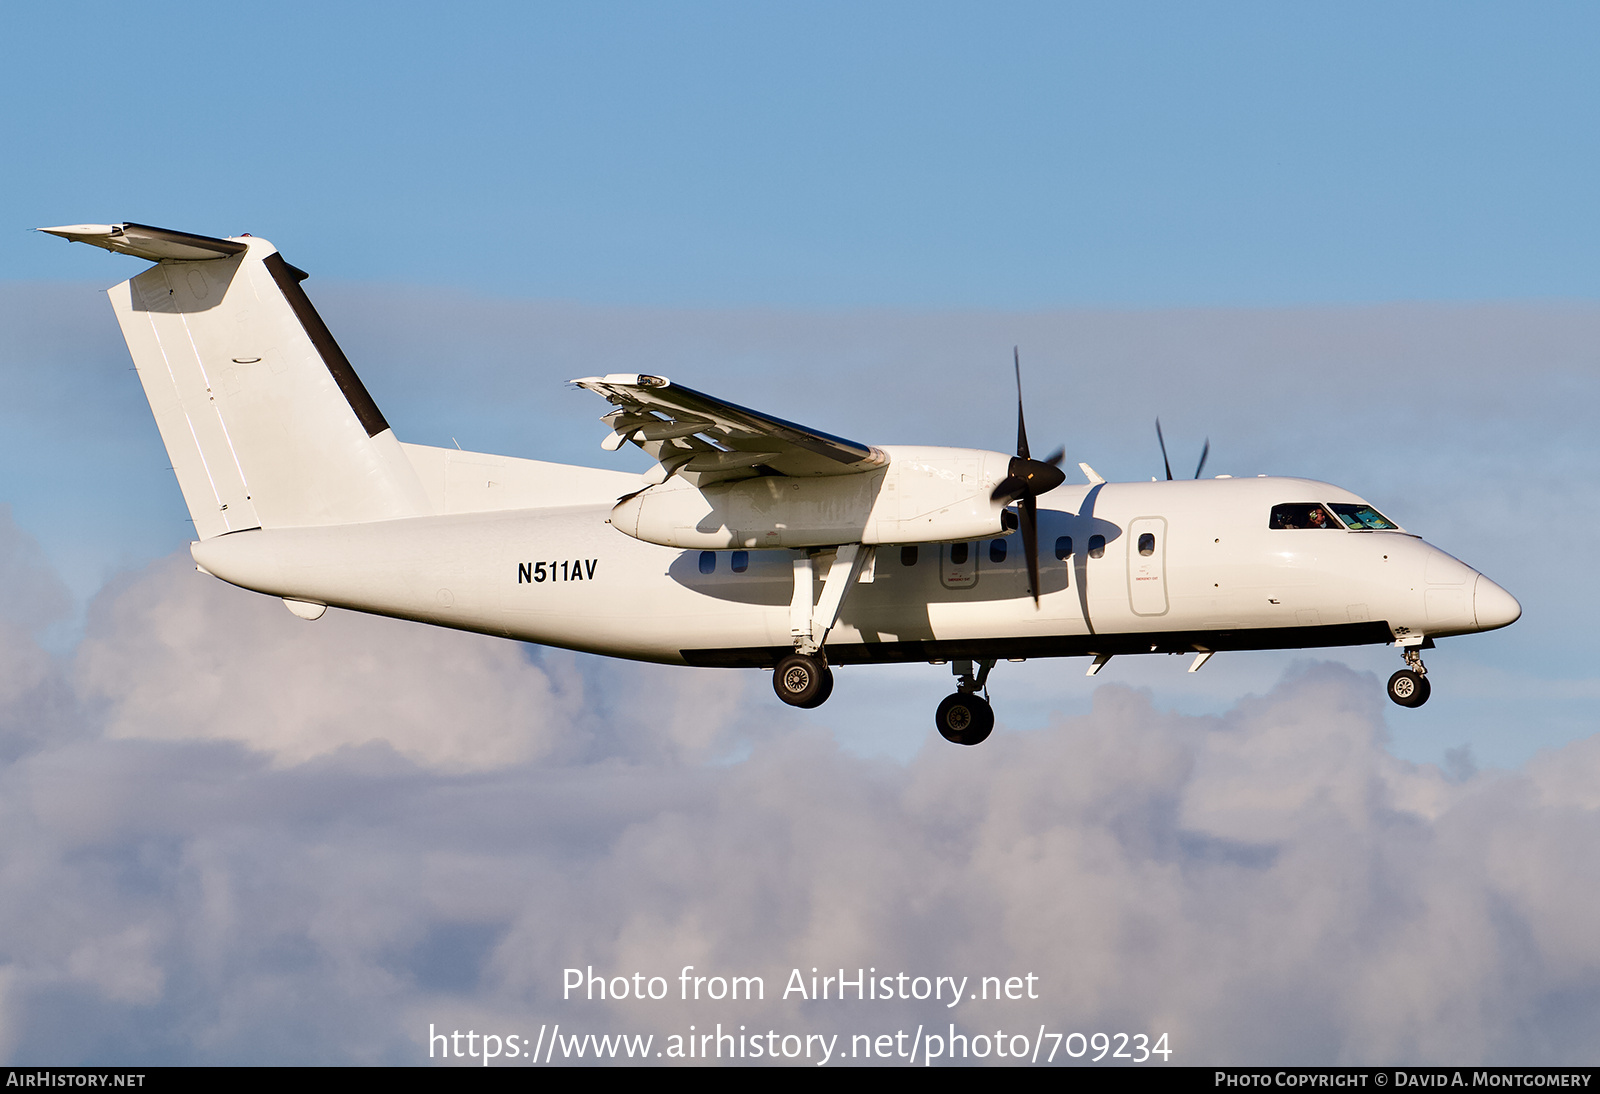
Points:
point(964, 718)
point(802, 680)
point(1409, 689)
point(827, 689)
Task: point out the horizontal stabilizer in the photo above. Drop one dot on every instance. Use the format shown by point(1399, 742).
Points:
point(143, 241)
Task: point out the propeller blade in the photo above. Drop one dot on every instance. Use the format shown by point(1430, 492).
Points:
point(1030, 543)
point(1025, 480)
point(1204, 452)
point(1022, 429)
point(1165, 462)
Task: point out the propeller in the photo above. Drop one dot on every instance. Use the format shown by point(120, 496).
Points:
point(1027, 478)
point(1204, 452)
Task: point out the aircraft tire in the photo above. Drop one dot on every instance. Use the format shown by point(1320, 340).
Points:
point(824, 690)
point(1409, 689)
point(964, 719)
point(802, 681)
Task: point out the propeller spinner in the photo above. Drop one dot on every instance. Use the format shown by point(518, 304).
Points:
point(1027, 478)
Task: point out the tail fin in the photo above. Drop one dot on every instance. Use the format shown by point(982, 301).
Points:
point(265, 421)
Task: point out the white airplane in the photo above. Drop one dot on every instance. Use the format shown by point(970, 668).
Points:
point(753, 542)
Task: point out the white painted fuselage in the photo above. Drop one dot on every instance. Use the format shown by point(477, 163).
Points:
point(1216, 577)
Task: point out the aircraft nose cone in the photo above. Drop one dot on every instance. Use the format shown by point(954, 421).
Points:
point(1493, 606)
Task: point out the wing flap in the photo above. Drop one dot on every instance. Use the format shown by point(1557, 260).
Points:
point(714, 439)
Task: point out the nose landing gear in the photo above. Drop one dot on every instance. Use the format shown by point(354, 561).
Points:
point(1409, 687)
point(966, 718)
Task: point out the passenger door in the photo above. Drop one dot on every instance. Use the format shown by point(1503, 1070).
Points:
point(1147, 566)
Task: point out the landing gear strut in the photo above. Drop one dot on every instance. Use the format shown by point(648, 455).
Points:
point(966, 718)
point(803, 679)
point(1409, 687)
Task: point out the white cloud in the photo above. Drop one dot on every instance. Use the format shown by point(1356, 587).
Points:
point(318, 882)
point(176, 656)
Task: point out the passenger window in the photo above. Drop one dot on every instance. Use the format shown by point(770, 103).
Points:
point(708, 561)
point(908, 555)
point(1301, 514)
point(1063, 547)
point(997, 550)
point(958, 554)
point(741, 561)
point(1147, 544)
point(1097, 546)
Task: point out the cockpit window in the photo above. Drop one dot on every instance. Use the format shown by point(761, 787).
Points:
point(1301, 514)
point(1363, 518)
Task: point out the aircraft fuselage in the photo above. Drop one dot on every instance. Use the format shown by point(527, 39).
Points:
point(1211, 575)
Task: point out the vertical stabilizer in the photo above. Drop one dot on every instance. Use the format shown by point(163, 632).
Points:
point(265, 420)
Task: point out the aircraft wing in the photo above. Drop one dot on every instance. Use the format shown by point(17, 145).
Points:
point(695, 434)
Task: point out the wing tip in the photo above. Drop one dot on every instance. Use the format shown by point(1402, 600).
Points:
point(621, 379)
point(67, 231)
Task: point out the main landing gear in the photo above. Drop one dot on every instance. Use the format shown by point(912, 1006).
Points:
point(966, 718)
point(803, 680)
point(1409, 687)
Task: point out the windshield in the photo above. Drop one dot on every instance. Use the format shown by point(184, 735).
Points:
point(1364, 518)
point(1301, 514)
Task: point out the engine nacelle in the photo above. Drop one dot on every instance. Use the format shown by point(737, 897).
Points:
point(923, 495)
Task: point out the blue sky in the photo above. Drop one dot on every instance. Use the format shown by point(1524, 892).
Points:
point(926, 155)
point(1350, 242)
